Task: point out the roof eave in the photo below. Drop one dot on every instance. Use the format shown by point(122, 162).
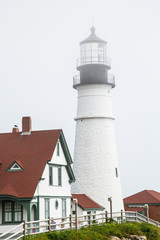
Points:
point(93, 209)
point(68, 157)
point(11, 197)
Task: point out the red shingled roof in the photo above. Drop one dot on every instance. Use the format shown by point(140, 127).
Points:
point(146, 196)
point(32, 153)
point(85, 202)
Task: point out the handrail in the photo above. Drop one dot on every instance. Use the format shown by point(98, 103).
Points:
point(11, 230)
point(13, 235)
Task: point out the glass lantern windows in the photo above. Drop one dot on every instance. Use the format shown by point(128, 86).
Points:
point(88, 47)
point(94, 52)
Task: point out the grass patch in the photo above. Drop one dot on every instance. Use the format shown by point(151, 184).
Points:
point(102, 232)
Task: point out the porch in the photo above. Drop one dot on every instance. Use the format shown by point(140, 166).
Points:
point(14, 211)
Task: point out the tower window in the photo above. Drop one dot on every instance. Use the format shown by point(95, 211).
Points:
point(116, 170)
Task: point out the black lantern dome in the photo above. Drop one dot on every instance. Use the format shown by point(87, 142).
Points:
point(93, 37)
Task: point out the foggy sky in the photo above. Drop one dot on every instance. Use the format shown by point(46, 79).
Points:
point(39, 44)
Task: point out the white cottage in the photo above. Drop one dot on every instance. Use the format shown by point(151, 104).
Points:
point(35, 175)
point(85, 206)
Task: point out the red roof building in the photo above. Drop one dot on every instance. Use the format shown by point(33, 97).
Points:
point(85, 205)
point(140, 202)
point(29, 162)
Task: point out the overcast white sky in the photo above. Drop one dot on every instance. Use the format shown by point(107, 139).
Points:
point(39, 44)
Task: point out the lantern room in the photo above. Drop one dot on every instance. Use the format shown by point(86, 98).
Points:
point(93, 63)
point(93, 51)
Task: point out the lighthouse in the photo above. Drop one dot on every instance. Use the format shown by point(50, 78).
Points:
point(95, 160)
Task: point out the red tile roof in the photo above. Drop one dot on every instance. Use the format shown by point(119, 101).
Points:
point(146, 196)
point(32, 153)
point(85, 202)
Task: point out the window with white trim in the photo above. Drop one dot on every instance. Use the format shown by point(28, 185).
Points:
point(12, 212)
point(55, 175)
point(64, 210)
point(58, 148)
point(47, 208)
point(50, 176)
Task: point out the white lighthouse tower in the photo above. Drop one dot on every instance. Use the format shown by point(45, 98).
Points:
point(95, 160)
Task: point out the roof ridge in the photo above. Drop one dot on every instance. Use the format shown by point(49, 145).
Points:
point(145, 196)
point(151, 193)
point(59, 129)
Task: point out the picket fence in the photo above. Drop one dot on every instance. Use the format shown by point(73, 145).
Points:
point(72, 222)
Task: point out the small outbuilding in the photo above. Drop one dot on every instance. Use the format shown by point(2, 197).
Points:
point(85, 205)
point(146, 202)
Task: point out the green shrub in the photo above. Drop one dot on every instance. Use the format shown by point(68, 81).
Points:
point(41, 236)
point(127, 229)
point(151, 232)
point(102, 232)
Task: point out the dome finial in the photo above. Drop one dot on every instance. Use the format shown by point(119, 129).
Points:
point(93, 30)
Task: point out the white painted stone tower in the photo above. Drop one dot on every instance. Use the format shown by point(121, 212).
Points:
point(95, 160)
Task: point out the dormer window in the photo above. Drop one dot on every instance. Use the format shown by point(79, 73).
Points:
point(15, 167)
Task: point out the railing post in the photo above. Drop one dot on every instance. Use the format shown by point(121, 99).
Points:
point(49, 224)
point(24, 230)
point(75, 201)
point(70, 221)
point(106, 216)
point(121, 216)
point(76, 216)
point(89, 218)
point(136, 217)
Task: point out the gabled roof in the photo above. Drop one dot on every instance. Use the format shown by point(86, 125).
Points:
point(86, 203)
point(32, 152)
point(146, 196)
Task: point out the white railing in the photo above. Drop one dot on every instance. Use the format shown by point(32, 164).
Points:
point(73, 222)
point(135, 216)
point(76, 80)
point(16, 232)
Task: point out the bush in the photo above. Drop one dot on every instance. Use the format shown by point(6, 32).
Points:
point(102, 232)
point(151, 232)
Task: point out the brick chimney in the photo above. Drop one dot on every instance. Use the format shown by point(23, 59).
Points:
point(26, 125)
point(15, 129)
